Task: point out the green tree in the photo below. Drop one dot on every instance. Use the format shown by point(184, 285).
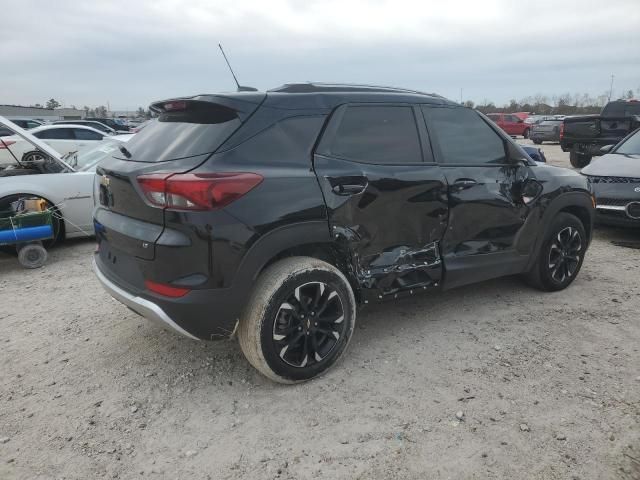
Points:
point(52, 103)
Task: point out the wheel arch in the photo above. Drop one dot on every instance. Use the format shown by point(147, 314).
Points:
point(308, 239)
point(577, 203)
point(56, 209)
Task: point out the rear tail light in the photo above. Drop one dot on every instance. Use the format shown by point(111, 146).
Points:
point(166, 290)
point(561, 130)
point(196, 191)
point(6, 143)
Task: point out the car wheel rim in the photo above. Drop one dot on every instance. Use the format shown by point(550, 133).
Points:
point(308, 325)
point(564, 254)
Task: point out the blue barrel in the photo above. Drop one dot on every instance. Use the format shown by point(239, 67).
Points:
point(26, 234)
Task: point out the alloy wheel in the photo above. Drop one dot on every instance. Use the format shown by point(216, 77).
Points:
point(564, 254)
point(308, 324)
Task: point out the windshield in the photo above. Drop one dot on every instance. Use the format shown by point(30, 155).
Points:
point(88, 159)
point(631, 146)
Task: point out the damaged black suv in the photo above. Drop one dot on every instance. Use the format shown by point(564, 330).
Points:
point(275, 215)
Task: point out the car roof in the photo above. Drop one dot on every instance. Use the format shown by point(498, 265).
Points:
point(64, 125)
point(314, 95)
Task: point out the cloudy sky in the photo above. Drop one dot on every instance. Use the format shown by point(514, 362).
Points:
point(129, 53)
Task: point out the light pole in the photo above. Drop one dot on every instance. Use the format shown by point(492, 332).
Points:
point(611, 87)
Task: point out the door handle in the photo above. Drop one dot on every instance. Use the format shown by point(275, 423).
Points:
point(348, 189)
point(462, 183)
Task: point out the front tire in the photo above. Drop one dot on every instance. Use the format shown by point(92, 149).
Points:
point(579, 160)
point(537, 142)
point(299, 320)
point(561, 255)
point(525, 134)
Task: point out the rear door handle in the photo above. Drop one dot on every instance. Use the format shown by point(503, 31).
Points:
point(348, 184)
point(462, 183)
point(348, 189)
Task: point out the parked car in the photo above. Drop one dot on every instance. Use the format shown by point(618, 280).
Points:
point(88, 123)
point(511, 124)
point(66, 184)
point(110, 122)
point(583, 136)
point(535, 153)
point(274, 215)
point(25, 124)
point(62, 138)
point(615, 179)
point(547, 130)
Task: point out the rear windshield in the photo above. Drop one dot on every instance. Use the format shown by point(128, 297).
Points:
point(200, 127)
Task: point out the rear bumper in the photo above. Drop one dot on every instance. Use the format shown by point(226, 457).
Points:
point(549, 137)
point(141, 306)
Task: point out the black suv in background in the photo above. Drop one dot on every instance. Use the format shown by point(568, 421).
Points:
point(274, 215)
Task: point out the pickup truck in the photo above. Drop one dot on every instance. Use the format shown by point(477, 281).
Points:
point(584, 136)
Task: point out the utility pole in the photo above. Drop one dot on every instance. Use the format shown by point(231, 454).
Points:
point(460, 95)
point(611, 87)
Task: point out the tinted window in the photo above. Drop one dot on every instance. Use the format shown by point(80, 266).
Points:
point(31, 124)
point(493, 116)
point(56, 134)
point(464, 137)
point(200, 128)
point(378, 134)
point(632, 108)
point(82, 134)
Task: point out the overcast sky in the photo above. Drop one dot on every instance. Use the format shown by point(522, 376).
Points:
point(132, 52)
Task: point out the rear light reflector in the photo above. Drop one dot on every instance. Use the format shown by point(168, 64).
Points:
point(561, 130)
point(6, 143)
point(196, 191)
point(165, 290)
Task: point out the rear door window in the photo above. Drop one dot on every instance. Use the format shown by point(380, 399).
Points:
point(56, 134)
point(198, 128)
point(377, 134)
point(463, 137)
point(82, 134)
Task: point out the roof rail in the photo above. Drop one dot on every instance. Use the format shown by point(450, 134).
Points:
point(318, 87)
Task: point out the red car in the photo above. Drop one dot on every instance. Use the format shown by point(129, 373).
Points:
point(511, 124)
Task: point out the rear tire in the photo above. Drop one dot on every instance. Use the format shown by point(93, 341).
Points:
point(561, 255)
point(525, 134)
point(579, 160)
point(299, 319)
point(537, 142)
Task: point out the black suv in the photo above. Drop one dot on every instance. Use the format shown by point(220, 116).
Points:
point(274, 215)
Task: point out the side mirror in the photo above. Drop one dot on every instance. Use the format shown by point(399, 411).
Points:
point(606, 148)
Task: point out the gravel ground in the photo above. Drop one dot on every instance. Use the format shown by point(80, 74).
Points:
point(494, 380)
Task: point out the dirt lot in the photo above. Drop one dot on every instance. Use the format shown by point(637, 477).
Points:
point(547, 385)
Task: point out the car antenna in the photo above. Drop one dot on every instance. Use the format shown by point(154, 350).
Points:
point(240, 87)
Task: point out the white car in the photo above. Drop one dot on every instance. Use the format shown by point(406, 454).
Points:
point(63, 138)
point(66, 184)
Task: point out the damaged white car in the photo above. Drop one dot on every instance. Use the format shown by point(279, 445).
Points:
point(64, 183)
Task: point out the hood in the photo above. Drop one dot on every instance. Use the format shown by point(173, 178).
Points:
point(36, 142)
point(614, 165)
